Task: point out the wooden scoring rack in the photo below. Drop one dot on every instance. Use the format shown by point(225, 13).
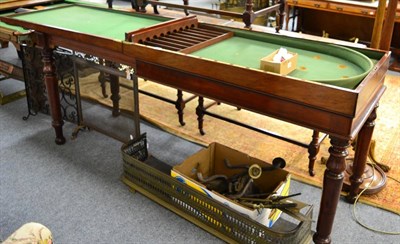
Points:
point(184, 35)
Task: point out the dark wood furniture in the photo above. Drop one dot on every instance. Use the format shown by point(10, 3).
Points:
point(8, 70)
point(249, 14)
point(340, 112)
point(14, 4)
point(345, 20)
point(312, 147)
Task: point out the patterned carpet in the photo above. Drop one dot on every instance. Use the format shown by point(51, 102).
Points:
point(164, 115)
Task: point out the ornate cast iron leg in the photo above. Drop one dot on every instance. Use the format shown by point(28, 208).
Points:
point(332, 185)
point(361, 154)
point(313, 149)
point(180, 106)
point(200, 115)
point(53, 94)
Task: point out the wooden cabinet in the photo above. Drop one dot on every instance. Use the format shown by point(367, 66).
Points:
point(342, 19)
point(344, 8)
point(309, 3)
point(339, 6)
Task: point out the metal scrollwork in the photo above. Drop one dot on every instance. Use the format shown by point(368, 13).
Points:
point(34, 85)
point(66, 84)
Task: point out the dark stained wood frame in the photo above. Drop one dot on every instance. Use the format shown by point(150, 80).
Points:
point(24, 3)
point(248, 16)
point(341, 113)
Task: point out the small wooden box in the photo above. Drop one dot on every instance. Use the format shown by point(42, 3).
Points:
point(282, 68)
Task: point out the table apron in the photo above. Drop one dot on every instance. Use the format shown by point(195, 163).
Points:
point(266, 104)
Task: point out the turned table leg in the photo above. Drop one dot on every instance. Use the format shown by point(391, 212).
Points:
point(313, 149)
point(114, 87)
point(3, 44)
point(200, 115)
point(360, 157)
point(248, 14)
point(102, 79)
point(180, 106)
point(51, 82)
point(332, 185)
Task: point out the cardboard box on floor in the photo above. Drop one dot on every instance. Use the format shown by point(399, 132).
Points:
point(210, 161)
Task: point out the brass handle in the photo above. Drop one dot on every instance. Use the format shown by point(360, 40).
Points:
point(339, 8)
point(317, 5)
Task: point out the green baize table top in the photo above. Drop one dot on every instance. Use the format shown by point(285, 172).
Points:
point(320, 62)
point(93, 21)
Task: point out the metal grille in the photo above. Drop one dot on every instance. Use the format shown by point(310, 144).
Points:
point(202, 210)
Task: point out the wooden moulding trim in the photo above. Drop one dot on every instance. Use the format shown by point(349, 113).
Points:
point(371, 84)
point(99, 51)
point(267, 10)
point(276, 107)
point(360, 120)
point(161, 29)
point(342, 101)
point(5, 37)
point(4, 32)
point(205, 10)
point(62, 34)
point(25, 3)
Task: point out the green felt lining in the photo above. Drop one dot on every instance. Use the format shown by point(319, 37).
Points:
point(320, 62)
point(88, 20)
point(10, 27)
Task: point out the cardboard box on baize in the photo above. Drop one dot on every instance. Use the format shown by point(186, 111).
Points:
point(210, 161)
point(283, 68)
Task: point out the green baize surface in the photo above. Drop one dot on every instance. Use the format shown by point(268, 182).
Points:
point(247, 53)
point(7, 1)
point(11, 27)
point(91, 21)
point(311, 65)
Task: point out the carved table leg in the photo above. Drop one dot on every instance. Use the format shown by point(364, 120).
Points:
point(3, 44)
point(313, 149)
point(51, 82)
point(110, 3)
point(186, 3)
point(180, 106)
point(360, 157)
point(114, 87)
point(332, 185)
point(115, 97)
point(248, 15)
point(102, 80)
point(200, 115)
point(155, 10)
